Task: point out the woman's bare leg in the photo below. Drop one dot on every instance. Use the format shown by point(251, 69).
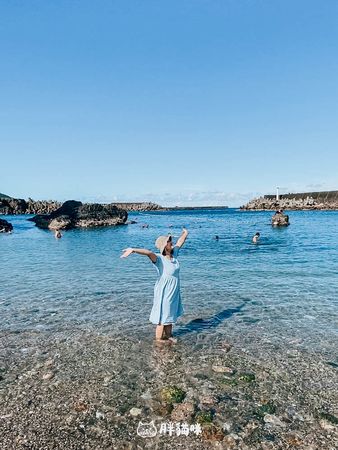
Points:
point(159, 332)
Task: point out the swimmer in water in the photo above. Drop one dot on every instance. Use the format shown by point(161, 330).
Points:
point(58, 234)
point(255, 239)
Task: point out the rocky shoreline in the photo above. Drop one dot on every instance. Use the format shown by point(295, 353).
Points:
point(81, 389)
point(304, 201)
point(15, 206)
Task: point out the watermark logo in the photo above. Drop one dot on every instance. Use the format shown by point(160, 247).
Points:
point(145, 429)
point(149, 429)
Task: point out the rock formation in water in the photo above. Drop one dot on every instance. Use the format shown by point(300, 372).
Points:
point(5, 227)
point(73, 214)
point(280, 219)
point(301, 201)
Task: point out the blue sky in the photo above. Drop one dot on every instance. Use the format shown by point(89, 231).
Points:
point(181, 102)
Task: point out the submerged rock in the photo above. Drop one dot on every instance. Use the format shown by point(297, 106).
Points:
point(135, 412)
point(208, 400)
point(248, 377)
point(204, 417)
point(329, 417)
point(183, 412)
point(213, 432)
point(80, 406)
point(273, 421)
point(265, 409)
point(48, 376)
point(99, 415)
point(173, 394)
point(326, 425)
point(226, 347)
point(73, 214)
point(223, 369)
point(5, 227)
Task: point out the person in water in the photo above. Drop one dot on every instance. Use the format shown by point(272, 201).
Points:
point(256, 238)
point(58, 234)
point(167, 305)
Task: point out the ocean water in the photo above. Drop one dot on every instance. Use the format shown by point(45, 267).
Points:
point(285, 289)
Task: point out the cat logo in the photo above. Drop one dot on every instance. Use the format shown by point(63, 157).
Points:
point(146, 429)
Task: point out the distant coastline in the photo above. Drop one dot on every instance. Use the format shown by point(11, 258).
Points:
point(193, 208)
point(16, 206)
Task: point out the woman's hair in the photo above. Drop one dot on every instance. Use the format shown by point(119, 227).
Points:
point(164, 253)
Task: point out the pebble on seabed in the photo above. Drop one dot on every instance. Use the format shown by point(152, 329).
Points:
point(48, 376)
point(222, 369)
point(135, 412)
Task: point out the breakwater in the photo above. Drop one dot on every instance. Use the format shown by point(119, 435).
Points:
point(325, 200)
point(139, 206)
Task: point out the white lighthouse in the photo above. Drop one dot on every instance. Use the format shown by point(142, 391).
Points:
point(277, 193)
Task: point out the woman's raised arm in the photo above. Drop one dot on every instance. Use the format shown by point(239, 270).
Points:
point(139, 251)
point(182, 238)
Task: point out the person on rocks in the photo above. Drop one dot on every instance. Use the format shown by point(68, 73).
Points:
point(167, 305)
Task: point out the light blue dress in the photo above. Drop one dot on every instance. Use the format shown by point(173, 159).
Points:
point(167, 307)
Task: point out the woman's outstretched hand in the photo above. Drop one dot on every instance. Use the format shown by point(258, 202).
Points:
point(127, 252)
point(182, 238)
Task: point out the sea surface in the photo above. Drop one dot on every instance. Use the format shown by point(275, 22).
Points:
point(283, 290)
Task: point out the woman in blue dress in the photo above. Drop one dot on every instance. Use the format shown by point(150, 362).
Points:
point(167, 306)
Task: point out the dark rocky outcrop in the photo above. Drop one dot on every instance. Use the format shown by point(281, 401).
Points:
point(73, 214)
point(5, 227)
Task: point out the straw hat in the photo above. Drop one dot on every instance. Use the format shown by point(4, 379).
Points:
point(161, 242)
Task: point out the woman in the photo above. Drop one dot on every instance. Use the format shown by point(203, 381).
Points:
point(167, 307)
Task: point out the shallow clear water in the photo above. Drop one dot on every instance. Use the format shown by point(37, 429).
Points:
point(283, 289)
